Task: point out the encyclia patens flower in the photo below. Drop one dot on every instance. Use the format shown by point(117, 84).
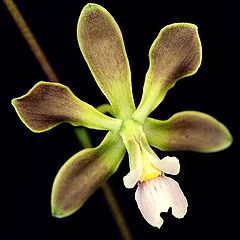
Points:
point(175, 54)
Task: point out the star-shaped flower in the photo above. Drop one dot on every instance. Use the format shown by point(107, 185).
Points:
point(175, 54)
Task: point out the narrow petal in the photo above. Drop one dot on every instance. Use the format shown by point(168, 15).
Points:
point(102, 46)
point(49, 104)
point(158, 195)
point(131, 179)
point(175, 54)
point(83, 173)
point(169, 165)
point(188, 130)
point(135, 163)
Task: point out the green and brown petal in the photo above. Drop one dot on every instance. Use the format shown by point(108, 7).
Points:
point(49, 104)
point(102, 46)
point(83, 173)
point(176, 53)
point(188, 131)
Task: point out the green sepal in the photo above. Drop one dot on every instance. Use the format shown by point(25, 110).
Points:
point(176, 53)
point(102, 46)
point(188, 131)
point(83, 173)
point(48, 104)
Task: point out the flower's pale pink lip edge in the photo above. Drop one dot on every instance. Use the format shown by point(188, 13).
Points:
point(169, 190)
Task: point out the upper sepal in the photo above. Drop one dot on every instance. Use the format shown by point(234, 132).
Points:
point(188, 131)
point(83, 173)
point(49, 104)
point(102, 46)
point(176, 53)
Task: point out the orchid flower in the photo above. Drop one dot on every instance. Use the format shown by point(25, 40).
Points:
point(176, 53)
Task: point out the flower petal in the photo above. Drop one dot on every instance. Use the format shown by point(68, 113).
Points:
point(169, 165)
point(102, 46)
point(173, 191)
point(175, 54)
point(49, 104)
point(135, 162)
point(188, 130)
point(83, 173)
point(131, 179)
point(151, 202)
point(158, 195)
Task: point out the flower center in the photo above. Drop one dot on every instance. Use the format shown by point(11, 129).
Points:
point(149, 170)
point(141, 155)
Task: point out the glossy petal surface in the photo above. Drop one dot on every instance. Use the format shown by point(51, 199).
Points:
point(102, 46)
point(175, 54)
point(188, 131)
point(83, 173)
point(49, 104)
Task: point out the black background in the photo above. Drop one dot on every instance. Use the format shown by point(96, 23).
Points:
point(29, 161)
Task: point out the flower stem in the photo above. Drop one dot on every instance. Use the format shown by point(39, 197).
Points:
point(116, 211)
point(81, 133)
point(31, 40)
